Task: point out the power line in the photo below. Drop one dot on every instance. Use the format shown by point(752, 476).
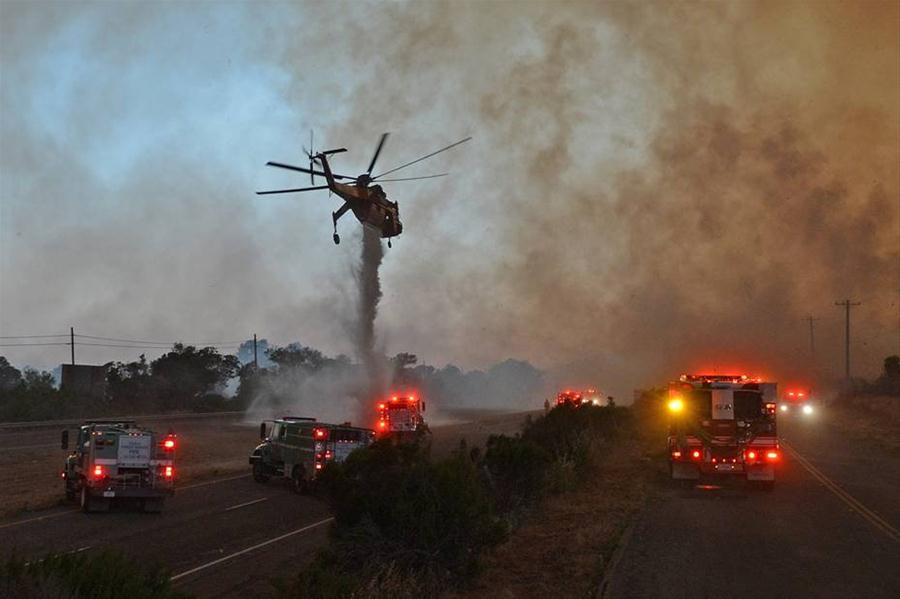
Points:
point(166, 343)
point(29, 344)
point(33, 336)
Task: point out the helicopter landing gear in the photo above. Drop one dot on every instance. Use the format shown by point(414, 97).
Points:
point(337, 239)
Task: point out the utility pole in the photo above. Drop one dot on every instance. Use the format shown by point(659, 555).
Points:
point(255, 361)
point(812, 338)
point(847, 304)
point(72, 343)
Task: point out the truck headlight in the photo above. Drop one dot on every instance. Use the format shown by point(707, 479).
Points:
point(807, 409)
point(783, 408)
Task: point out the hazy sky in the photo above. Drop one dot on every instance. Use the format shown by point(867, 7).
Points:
point(651, 187)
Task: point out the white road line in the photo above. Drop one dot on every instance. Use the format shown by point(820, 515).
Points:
point(47, 517)
point(249, 549)
point(211, 482)
point(240, 505)
point(72, 511)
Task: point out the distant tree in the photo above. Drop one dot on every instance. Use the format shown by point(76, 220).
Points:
point(245, 352)
point(184, 375)
point(10, 376)
point(296, 355)
point(892, 367)
point(38, 381)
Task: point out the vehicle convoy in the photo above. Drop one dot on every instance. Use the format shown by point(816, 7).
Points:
point(569, 397)
point(797, 401)
point(299, 448)
point(588, 397)
point(117, 459)
point(401, 418)
point(723, 425)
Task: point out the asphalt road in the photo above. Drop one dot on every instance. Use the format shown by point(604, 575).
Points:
point(828, 529)
point(226, 537)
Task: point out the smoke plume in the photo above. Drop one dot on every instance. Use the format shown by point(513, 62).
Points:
point(369, 288)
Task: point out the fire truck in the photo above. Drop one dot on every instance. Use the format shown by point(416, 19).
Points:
point(117, 459)
point(299, 448)
point(797, 401)
point(569, 397)
point(400, 418)
point(723, 425)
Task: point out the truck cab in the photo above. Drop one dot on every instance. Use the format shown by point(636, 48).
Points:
point(299, 448)
point(723, 425)
point(114, 460)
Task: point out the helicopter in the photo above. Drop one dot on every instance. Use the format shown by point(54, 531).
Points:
point(361, 194)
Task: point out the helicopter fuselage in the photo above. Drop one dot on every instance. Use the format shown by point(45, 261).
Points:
point(368, 203)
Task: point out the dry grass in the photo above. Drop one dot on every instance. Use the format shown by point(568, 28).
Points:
point(563, 549)
point(872, 419)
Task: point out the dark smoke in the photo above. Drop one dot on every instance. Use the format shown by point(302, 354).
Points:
point(369, 283)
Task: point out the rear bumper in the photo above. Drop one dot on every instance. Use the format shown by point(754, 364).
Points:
point(113, 491)
point(694, 470)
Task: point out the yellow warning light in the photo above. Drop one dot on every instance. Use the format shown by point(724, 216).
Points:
point(676, 404)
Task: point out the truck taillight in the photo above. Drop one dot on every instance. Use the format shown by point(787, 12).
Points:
point(772, 456)
point(696, 454)
point(751, 455)
point(98, 471)
point(319, 466)
point(676, 455)
point(169, 472)
point(382, 424)
point(328, 454)
point(169, 443)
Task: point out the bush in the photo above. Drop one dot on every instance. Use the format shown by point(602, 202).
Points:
point(403, 524)
point(103, 575)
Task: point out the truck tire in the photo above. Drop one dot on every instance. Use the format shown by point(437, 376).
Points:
point(153, 506)
point(259, 473)
point(92, 504)
point(298, 480)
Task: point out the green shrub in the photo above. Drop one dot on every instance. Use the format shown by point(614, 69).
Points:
point(104, 575)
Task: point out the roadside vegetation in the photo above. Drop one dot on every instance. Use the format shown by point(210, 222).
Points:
point(408, 525)
point(870, 409)
point(103, 575)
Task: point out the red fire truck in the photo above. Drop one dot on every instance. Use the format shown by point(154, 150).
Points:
point(723, 425)
point(569, 397)
point(400, 417)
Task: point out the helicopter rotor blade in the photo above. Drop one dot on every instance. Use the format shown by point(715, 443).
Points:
point(317, 187)
point(301, 169)
point(383, 139)
point(413, 178)
point(444, 149)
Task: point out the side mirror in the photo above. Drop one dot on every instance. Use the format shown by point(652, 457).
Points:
point(423, 406)
point(65, 440)
point(262, 430)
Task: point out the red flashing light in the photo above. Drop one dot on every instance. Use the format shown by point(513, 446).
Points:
point(791, 393)
point(169, 472)
point(169, 443)
point(382, 424)
point(751, 455)
point(799, 395)
point(318, 466)
point(381, 406)
point(696, 454)
point(98, 471)
point(320, 433)
point(394, 398)
point(676, 454)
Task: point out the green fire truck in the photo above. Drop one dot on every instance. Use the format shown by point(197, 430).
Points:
point(299, 448)
point(117, 459)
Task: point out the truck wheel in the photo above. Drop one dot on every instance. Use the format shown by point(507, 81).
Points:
point(85, 500)
point(259, 473)
point(153, 506)
point(298, 480)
